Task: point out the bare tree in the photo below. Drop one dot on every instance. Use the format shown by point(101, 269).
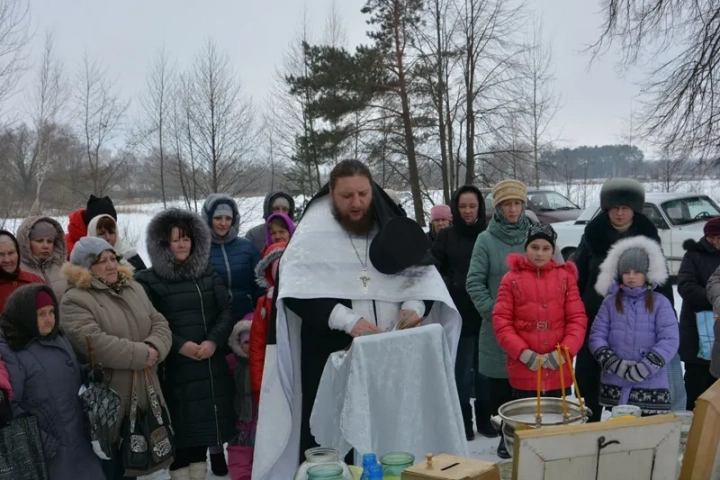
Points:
point(335, 34)
point(539, 103)
point(14, 37)
point(156, 106)
point(680, 92)
point(99, 111)
point(223, 122)
point(45, 104)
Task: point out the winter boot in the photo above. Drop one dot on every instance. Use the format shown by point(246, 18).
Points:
point(180, 474)
point(482, 419)
point(217, 463)
point(198, 471)
point(467, 421)
point(501, 450)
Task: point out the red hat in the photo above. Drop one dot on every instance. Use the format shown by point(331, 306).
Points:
point(712, 227)
point(43, 299)
point(440, 212)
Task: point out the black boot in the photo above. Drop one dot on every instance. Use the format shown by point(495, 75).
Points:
point(467, 421)
point(501, 450)
point(482, 419)
point(218, 465)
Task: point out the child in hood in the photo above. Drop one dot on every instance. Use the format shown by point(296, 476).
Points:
point(538, 307)
point(635, 334)
point(240, 449)
point(278, 228)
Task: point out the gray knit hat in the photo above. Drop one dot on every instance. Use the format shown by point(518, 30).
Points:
point(634, 259)
point(625, 192)
point(223, 209)
point(87, 251)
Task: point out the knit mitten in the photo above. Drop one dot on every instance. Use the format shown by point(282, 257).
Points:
point(623, 367)
point(607, 359)
point(552, 360)
point(640, 371)
point(529, 358)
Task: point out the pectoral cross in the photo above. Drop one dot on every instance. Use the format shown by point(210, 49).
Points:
point(364, 278)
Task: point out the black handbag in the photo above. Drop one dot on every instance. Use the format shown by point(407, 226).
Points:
point(21, 450)
point(148, 443)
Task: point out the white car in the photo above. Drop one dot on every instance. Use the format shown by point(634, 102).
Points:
point(677, 217)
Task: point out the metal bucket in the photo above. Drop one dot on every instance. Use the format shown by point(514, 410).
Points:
point(521, 414)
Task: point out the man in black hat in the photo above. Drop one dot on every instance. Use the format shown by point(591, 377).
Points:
point(353, 267)
point(622, 201)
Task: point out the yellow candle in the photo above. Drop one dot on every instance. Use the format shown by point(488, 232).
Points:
point(562, 381)
point(539, 383)
point(572, 372)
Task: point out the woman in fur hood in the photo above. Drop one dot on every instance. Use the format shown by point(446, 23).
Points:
point(197, 383)
point(635, 333)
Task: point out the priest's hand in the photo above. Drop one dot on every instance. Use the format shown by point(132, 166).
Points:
point(190, 349)
point(408, 319)
point(362, 327)
point(206, 350)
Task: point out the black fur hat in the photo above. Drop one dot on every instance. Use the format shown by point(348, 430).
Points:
point(400, 244)
point(625, 192)
point(99, 206)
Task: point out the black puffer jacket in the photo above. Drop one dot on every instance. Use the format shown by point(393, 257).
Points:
point(197, 305)
point(452, 249)
point(699, 263)
point(595, 244)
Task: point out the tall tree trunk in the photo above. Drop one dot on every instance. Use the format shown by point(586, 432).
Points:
point(407, 123)
point(440, 95)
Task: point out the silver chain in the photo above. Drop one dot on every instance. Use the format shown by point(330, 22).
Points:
point(367, 248)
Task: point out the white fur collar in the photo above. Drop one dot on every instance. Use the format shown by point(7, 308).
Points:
point(657, 273)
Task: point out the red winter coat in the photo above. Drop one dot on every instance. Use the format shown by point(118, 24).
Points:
point(258, 344)
point(76, 229)
point(5, 380)
point(537, 309)
point(7, 287)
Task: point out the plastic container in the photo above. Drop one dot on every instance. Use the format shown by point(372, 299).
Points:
point(394, 463)
point(626, 411)
point(374, 472)
point(327, 471)
point(368, 460)
point(321, 456)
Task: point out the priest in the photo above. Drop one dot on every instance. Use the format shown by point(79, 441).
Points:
point(354, 266)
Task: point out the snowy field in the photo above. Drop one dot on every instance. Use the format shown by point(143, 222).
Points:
point(133, 220)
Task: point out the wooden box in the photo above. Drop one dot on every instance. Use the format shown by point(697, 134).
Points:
point(702, 454)
point(450, 467)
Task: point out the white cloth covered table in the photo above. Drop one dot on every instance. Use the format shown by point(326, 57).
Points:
point(392, 391)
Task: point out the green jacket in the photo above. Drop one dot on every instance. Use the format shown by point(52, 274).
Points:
point(487, 268)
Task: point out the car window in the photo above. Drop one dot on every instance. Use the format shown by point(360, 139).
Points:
point(550, 201)
point(654, 215)
point(489, 207)
point(690, 209)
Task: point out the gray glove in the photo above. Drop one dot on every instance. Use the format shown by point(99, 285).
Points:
point(623, 366)
point(530, 359)
point(552, 360)
point(637, 373)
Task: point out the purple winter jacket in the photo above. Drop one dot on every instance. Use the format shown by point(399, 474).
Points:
point(634, 334)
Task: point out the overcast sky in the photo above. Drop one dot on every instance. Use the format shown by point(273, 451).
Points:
point(124, 35)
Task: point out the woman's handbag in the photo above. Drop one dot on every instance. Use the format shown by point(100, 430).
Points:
point(706, 334)
point(148, 443)
point(21, 450)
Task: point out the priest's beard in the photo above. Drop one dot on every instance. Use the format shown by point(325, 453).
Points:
point(362, 226)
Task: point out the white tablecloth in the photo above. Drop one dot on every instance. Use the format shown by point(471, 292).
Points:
point(392, 391)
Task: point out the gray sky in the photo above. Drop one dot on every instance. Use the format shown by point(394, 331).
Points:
point(124, 36)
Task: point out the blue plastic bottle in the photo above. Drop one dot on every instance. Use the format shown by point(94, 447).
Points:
point(369, 459)
point(374, 472)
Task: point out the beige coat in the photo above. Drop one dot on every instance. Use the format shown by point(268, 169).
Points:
point(121, 326)
point(51, 269)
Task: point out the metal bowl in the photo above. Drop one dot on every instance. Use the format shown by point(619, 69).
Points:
point(521, 414)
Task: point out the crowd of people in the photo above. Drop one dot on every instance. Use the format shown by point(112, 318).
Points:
point(233, 332)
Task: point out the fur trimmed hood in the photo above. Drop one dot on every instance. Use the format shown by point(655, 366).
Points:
point(80, 277)
point(657, 272)
point(23, 237)
point(243, 325)
point(211, 203)
point(158, 246)
point(263, 277)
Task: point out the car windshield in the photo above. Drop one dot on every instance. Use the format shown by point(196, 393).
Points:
point(550, 201)
point(691, 209)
